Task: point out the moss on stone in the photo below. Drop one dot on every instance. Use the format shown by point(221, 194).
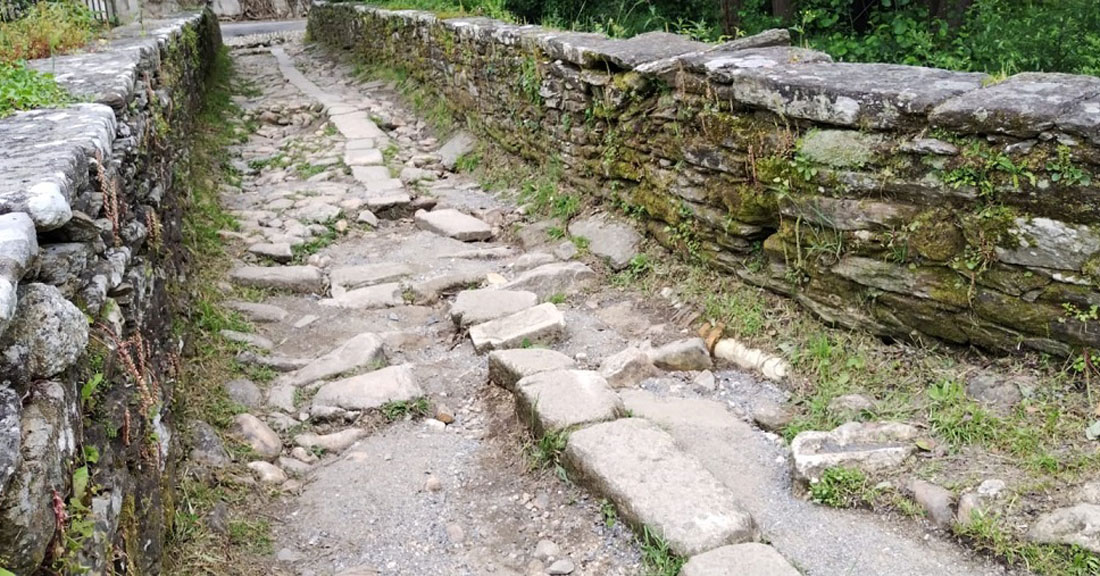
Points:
point(934, 235)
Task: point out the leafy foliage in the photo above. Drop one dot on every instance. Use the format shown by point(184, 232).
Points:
point(23, 88)
point(47, 29)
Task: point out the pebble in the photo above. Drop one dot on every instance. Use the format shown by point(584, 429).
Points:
point(455, 534)
point(547, 550)
point(432, 484)
point(563, 566)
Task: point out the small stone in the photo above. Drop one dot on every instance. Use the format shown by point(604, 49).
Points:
point(432, 484)
point(690, 354)
point(303, 455)
point(936, 501)
point(870, 446)
point(705, 380)
point(306, 321)
point(358, 352)
point(563, 566)
point(254, 340)
point(1078, 525)
point(367, 217)
point(616, 242)
point(434, 425)
point(444, 414)
point(278, 251)
point(289, 556)
point(994, 391)
point(259, 436)
point(455, 534)
point(207, 448)
point(267, 473)
point(294, 466)
point(244, 392)
point(336, 442)
point(627, 368)
point(850, 406)
point(547, 551)
point(281, 397)
point(264, 313)
point(771, 416)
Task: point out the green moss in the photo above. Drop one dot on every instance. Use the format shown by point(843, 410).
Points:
point(1091, 269)
point(935, 236)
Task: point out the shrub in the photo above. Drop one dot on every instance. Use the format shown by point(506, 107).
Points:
point(48, 28)
point(23, 88)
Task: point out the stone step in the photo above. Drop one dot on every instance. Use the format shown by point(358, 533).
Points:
point(363, 157)
point(749, 559)
point(565, 399)
point(256, 312)
point(557, 278)
point(356, 125)
point(304, 279)
point(473, 307)
point(361, 351)
point(538, 325)
point(656, 485)
point(506, 367)
point(345, 278)
point(369, 298)
point(454, 224)
point(370, 391)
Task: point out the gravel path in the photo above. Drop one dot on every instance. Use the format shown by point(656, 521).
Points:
point(367, 302)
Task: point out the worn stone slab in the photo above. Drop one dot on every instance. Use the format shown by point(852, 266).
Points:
point(479, 306)
point(589, 49)
point(870, 446)
point(277, 251)
point(335, 442)
point(627, 368)
point(564, 399)
point(257, 435)
point(748, 559)
point(305, 279)
point(454, 224)
point(506, 367)
point(654, 484)
point(373, 175)
point(689, 354)
point(1023, 105)
point(1046, 243)
point(616, 242)
point(1078, 525)
point(356, 126)
point(1083, 119)
point(350, 277)
point(256, 312)
point(361, 351)
point(363, 157)
point(372, 297)
point(541, 324)
point(384, 203)
point(557, 278)
point(247, 338)
point(430, 290)
point(805, 86)
point(370, 391)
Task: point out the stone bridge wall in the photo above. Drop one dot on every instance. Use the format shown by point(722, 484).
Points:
point(90, 230)
point(901, 200)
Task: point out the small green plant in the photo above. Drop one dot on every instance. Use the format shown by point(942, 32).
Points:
point(658, 558)
point(48, 29)
point(1063, 170)
point(467, 163)
point(557, 298)
point(400, 409)
point(546, 452)
point(555, 232)
point(23, 88)
point(581, 243)
point(842, 488)
point(609, 513)
point(958, 419)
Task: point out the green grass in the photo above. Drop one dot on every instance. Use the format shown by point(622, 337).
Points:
point(990, 534)
point(23, 88)
point(48, 29)
point(301, 252)
point(546, 452)
point(843, 488)
point(401, 409)
point(657, 558)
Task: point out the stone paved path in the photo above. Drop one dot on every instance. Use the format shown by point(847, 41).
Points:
point(378, 278)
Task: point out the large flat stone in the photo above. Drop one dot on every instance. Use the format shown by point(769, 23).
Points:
point(458, 146)
point(565, 399)
point(305, 279)
point(506, 367)
point(369, 298)
point(371, 390)
point(541, 324)
point(656, 485)
point(356, 126)
point(359, 352)
point(363, 157)
point(558, 278)
point(479, 306)
point(1046, 243)
point(350, 277)
point(1078, 525)
point(452, 223)
point(749, 559)
point(1023, 105)
point(870, 446)
point(616, 242)
point(256, 312)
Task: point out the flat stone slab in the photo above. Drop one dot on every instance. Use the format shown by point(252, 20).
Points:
point(654, 484)
point(370, 391)
point(479, 306)
point(507, 367)
point(689, 354)
point(627, 368)
point(565, 399)
point(380, 202)
point(277, 251)
point(550, 279)
point(1078, 525)
point(304, 279)
point(617, 243)
point(351, 277)
point(363, 157)
point(335, 442)
point(356, 126)
point(358, 352)
point(540, 324)
point(256, 312)
point(458, 146)
point(370, 298)
point(749, 559)
point(367, 175)
point(870, 446)
point(454, 224)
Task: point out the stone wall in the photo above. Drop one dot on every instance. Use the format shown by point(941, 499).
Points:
point(90, 248)
point(901, 200)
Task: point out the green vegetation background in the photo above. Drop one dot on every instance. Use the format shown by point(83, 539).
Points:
point(996, 36)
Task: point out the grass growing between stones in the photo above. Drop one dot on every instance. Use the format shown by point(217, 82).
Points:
point(545, 453)
point(206, 538)
point(402, 409)
point(657, 558)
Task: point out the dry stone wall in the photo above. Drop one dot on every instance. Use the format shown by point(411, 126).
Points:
point(902, 200)
point(90, 229)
